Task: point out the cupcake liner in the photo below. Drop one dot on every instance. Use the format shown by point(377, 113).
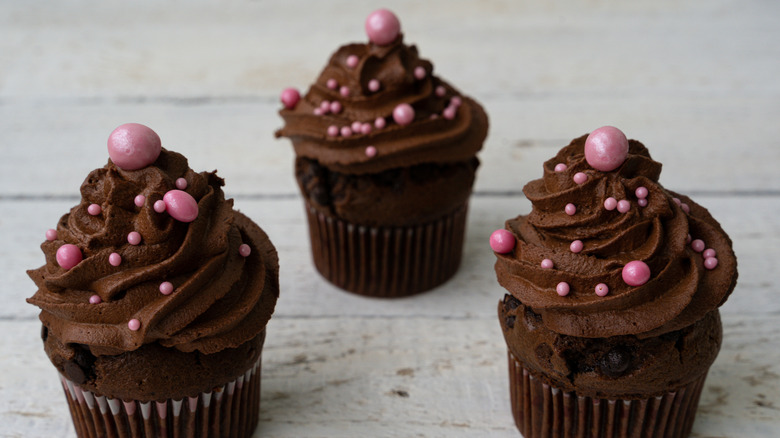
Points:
point(541, 411)
point(387, 261)
point(231, 410)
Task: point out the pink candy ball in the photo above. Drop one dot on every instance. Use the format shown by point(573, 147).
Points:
point(576, 246)
point(382, 27)
point(95, 299)
point(606, 148)
point(641, 192)
point(139, 200)
point(69, 256)
point(547, 264)
point(636, 273)
point(374, 85)
point(709, 252)
point(244, 250)
point(420, 73)
point(181, 205)
point(352, 61)
point(560, 167)
point(51, 234)
point(610, 203)
point(181, 183)
point(698, 245)
point(290, 98)
point(159, 206)
point(710, 263)
point(370, 151)
point(502, 241)
point(642, 202)
point(114, 259)
point(166, 288)
point(580, 177)
point(623, 206)
point(94, 209)
point(563, 288)
point(133, 146)
point(380, 123)
point(602, 290)
point(570, 209)
point(134, 238)
point(134, 324)
point(403, 114)
point(449, 112)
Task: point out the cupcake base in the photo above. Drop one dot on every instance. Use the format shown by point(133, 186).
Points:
point(387, 261)
point(231, 411)
point(542, 411)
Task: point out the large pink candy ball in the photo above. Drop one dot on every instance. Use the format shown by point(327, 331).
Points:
point(636, 273)
point(502, 241)
point(69, 256)
point(403, 114)
point(290, 97)
point(606, 148)
point(181, 205)
point(133, 146)
point(382, 27)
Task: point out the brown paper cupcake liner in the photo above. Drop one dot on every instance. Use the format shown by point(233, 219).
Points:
point(387, 261)
point(231, 410)
point(542, 411)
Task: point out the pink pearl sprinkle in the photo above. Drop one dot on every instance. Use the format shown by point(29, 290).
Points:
point(325, 106)
point(333, 131)
point(344, 90)
point(95, 299)
point(382, 27)
point(685, 208)
point(68, 256)
point(290, 97)
point(688, 238)
point(346, 131)
point(370, 151)
point(641, 192)
point(709, 252)
point(181, 205)
point(576, 246)
point(335, 107)
point(139, 200)
point(365, 128)
point(602, 290)
point(563, 288)
point(547, 264)
point(420, 73)
point(606, 148)
point(570, 209)
point(244, 250)
point(51, 234)
point(456, 101)
point(356, 126)
point(352, 61)
point(403, 114)
point(114, 259)
point(332, 84)
point(610, 203)
point(580, 177)
point(374, 85)
point(502, 241)
point(636, 273)
point(623, 206)
point(677, 201)
point(159, 206)
point(560, 167)
point(710, 263)
point(134, 238)
point(698, 245)
point(134, 324)
point(166, 288)
point(181, 183)
point(94, 209)
point(380, 123)
point(441, 91)
point(317, 111)
point(642, 202)
point(449, 112)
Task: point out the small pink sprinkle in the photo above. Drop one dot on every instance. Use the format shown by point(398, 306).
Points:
point(95, 299)
point(51, 234)
point(698, 245)
point(370, 151)
point(560, 167)
point(365, 128)
point(374, 85)
point(356, 126)
point(623, 206)
point(317, 111)
point(380, 123)
point(441, 91)
point(449, 112)
point(139, 200)
point(636, 273)
point(602, 290)
point(433, 116)
point(181, 183)
point(244, 250)
point(344, 90)
point(576, 246)
point(456, 101)
point(502, 241)
point(290, 97)
point(94, 209)
point(335, 107)
point(642, 202)
point(610, 203)
point(710, 263)
point(677, 201)
point(114, 259)
point(420, 73)
point(134, 238)
point(709, 252)
point(580, 177)
point(333, 131)
point(563, 288)
point(685, 208)
point(570, 209)
point(159, 206)
point(641, 192)
point(332, 84)
point(547, 264)
point(352, 61)
point(403, 114)
point(166, 288)
point(325, 106)
point(69, 256)
point(688, 238)
point(346, 131)
point(134, 324)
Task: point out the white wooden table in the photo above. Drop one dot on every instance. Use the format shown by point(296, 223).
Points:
point(697, 81)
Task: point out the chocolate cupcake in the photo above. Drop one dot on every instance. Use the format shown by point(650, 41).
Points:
point(154, 299)
point(385, 160)
point(614, 282)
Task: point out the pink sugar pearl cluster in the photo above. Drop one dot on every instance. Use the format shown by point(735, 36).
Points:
point(709, 255)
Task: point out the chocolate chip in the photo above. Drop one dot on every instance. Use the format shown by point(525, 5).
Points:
point(616, 362)
point(509, 321)
point(510, 302)
point(80, 367)
point(44, 333)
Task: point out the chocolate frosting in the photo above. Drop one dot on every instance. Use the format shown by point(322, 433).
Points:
point(429, 138)
point(220, 299)
point(680, 292)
